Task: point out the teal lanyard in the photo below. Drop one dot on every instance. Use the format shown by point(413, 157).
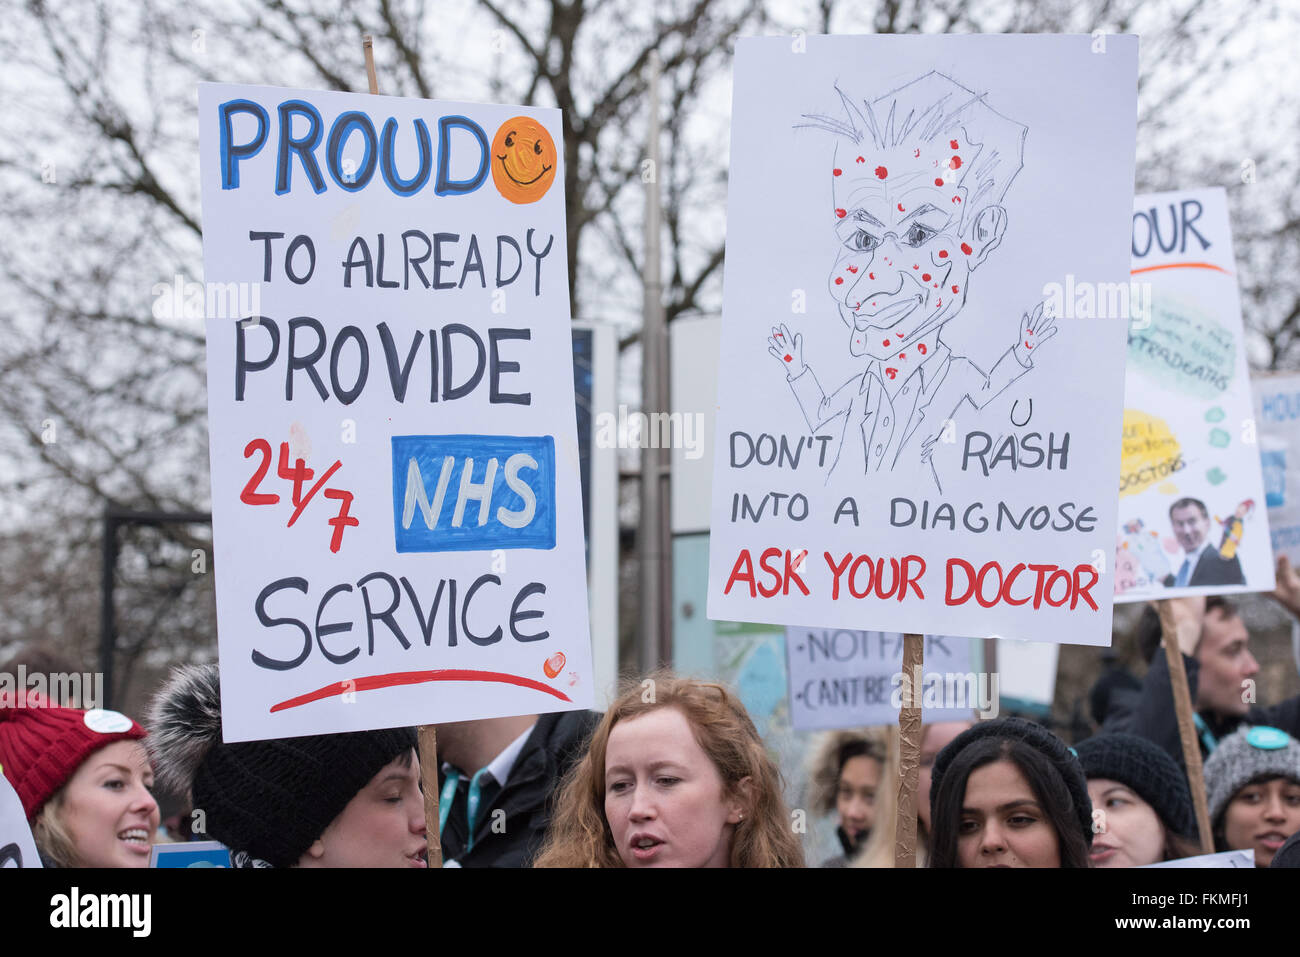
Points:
point(1207, 739)
point(471, 809)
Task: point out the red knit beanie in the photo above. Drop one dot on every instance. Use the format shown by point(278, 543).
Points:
point(42, 745)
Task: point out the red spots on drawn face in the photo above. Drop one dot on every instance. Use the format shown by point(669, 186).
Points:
point(925, 277)
point(936, 285)
point(891, 372)
point(965, 247)
point(873, 302)
point(885, 343)
point(954, 289)
point(861, 159)
point(901, 209)
point(857, 305)
point(938, 181)
point(954, 163)
point(902, 355)
point(952, 143)
point(788, 357)
point(943, 254)
point(841, 213)
point(853, 269)
point(956, 199)
point(839, 280)
point(881, 172)
point(837, 172)
point(1027, 345)
point(938, 304)
point(916, 153)
point(915, 266)
point(922, 349)
point(870, 275)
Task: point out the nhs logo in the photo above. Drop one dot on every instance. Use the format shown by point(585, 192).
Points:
point(473, 492)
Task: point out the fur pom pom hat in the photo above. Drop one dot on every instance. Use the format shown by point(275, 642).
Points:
point(269, 799)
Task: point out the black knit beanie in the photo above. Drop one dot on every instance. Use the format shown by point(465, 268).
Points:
point(1037, 737)
point(271, 799)
point(1148, 770)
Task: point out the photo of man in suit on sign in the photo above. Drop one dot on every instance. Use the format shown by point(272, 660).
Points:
point(1202, 563)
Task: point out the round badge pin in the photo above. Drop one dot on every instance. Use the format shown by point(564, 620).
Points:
point(1267, 739)
point(107, 722)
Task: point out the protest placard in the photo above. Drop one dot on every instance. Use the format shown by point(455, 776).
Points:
point(844, 679)
point(916, 426)
point(1277, 417)
point(395, 474)
point(1191, 514)
point(190, 854)
point(17, 849)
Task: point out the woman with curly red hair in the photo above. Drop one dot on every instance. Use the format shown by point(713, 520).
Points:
point(676, 775)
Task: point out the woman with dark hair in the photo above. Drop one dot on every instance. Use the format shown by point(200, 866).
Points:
point(845, 775)
point(1009, 793)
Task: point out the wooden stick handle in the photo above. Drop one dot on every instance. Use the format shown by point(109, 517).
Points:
point(909, 751)
point(1186, 725)
point(368, 45)
point(429, 782)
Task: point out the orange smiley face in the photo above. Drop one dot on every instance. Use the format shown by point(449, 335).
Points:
point(523, 160)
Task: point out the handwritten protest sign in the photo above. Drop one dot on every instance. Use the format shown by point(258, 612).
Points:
point(916, 427)
point(17, 849)
point(1277, 416)
point(395, 474)
point(1191, 514)
point(844, 679)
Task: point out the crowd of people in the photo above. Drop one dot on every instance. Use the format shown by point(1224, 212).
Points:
point(673, 774)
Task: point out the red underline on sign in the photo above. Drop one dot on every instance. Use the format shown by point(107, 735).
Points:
point(373, 682)
point(1134, 272)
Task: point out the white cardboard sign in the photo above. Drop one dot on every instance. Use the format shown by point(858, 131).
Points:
point(1192, 519)
point(17, 849)
point(917, 431)
point(395, 479)
point(845, 679)
point(1277, 415)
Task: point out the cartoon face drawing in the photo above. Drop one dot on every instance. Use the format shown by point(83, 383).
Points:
point(917, 180)
point(523, 160)
point(903, 266)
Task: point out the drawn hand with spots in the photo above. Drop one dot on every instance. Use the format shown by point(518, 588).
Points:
point(1035, 329)
point(787, 349)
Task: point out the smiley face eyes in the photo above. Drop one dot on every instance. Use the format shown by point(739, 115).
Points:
point(510, 139)
point(537, 147)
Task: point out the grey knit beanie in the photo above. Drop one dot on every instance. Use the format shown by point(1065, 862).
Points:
point(1245, 755)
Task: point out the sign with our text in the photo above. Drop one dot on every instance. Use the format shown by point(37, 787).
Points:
point(920, 388)
point(395, 470)
point(849, 679)
point(1192, 515)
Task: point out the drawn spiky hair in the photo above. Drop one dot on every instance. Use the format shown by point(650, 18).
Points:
point(184, 723)
point(932, 108)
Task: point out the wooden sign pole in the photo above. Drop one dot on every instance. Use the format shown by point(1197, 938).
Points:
point(1186, 725)
point(427, 733)
point(909, 751)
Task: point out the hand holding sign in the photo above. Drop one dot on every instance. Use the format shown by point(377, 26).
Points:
point(787, 349)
